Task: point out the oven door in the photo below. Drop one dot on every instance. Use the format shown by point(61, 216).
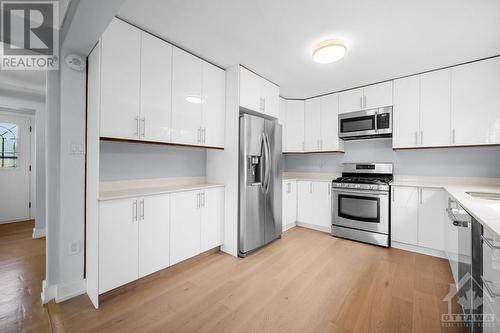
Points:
point(363, 210)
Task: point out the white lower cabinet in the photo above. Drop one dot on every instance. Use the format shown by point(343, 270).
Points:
point(289, 216)
point(314, 204)
point(491, 279)
point(139, 236)
point(418, 217)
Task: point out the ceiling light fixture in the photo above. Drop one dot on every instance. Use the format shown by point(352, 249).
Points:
point(329, 51)
point(195, 99)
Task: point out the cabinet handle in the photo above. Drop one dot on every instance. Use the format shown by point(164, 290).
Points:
point(310, 187)
point(203, 199)
point(490, 243)
point(416, 137)
point(364, 102)
point(329, 190)
point(453, 136)
point(142, 209)
point(360, 102)
point(393, 194)
point(320, 144)
point(420, 194)
point(137, 127)
point(421, 137)
point(204, 135)
point(134, 211)
point(488, 288)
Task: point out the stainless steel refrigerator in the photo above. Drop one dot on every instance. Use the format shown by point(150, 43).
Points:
point(260, 187)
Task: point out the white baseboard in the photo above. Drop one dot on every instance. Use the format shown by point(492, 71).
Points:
point(315, 227)
point(419, 249)
point(62, 292)
point(289, 226)
point(38, 233)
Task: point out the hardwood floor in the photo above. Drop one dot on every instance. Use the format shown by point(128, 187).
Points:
point(22, 269)
point(307, 281)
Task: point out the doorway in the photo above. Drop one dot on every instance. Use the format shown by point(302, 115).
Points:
point(15, 167)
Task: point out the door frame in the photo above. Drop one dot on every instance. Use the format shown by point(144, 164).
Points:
point(29, 114)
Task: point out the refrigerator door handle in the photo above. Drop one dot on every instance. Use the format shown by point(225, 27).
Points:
point(267, 165)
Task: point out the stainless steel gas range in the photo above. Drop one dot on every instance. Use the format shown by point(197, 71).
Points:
point(361, 203)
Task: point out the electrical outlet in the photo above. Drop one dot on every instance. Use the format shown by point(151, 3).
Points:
point(73, 248)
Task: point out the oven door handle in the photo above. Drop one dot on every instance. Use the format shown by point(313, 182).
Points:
point(374, 193)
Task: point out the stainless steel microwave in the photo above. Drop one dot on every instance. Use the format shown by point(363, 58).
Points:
point(366, 124)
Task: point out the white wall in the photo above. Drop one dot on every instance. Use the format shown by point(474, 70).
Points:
point(24, 105)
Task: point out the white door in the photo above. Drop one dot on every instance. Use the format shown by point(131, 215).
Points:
point(377, 95)
point(406, 112)
point(322, 204)
point(351, 100)
point(304, 202)
point(156, 88)
point(185, 232)
point(435, 94)
point(213, 106)
point(15, 160)
point(294, 128)
point(154, 234)
point(289, 203)
point(475, 103)
point(250, 90)
point(404, 218)
point(329, 123)
point(118, 243)
point(212, 216)
point(312, 121)
point(186, 98)
point(120, 80)
point(431, 218)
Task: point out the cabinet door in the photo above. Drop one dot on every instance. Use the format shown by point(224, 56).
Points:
point(404, 219)
point(187, 99)
point(329, 123)
point(120, 80)
point(282, 122)
point(118, 243)
point(435, 94)
point(377, 95)
point(322, 204)
point(475, 103)
point(185, 232)
point(294, 128)
point(250, 90)
point(431, 218)
point(406, 112)
point(271, 95)
point(351, 100)
point(212, 218)
point(214, 105)
point(154, 234)
point(289, 203)
point(312, 123)
point(156, 88)
point(304, 202)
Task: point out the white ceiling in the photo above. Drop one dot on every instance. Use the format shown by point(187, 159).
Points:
point(385, 38)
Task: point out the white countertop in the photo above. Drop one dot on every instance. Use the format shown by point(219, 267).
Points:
point(145, 187)
point(310, 176)
point(486, 212)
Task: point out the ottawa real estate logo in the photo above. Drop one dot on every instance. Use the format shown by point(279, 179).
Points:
point(29, 35)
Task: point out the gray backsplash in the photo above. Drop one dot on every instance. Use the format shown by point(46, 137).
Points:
point(125, 161)
point(452, 162)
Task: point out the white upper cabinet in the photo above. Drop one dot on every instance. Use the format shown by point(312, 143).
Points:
point(120, 81)
point(406, 112)
point(213, 106)
point(435, 93)
point(312, 122)
point(377, 95)
point(475, 103)
point(156, 89)
point(370, 97)
point(258, 94)
point(293, 126)
point(329, 124)
point(351, 100)
point(187, 98)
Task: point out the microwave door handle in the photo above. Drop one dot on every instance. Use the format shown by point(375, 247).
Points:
point(376, 121)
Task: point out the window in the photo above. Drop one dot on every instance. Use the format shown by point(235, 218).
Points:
point(9, 145)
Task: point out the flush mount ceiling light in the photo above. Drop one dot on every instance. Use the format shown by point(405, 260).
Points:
point(329, 51)
point(195, 99)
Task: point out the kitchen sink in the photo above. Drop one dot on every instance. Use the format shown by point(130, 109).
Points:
point(485, 195)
